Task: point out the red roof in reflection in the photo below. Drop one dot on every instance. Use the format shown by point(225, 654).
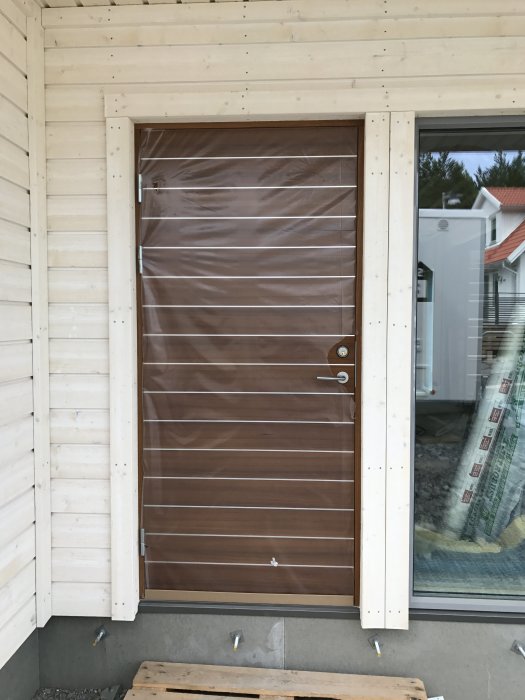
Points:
point(509, 196)
point(502, 251)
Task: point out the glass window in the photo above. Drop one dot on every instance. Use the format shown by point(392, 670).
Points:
point(469, 507)
point(493, 229)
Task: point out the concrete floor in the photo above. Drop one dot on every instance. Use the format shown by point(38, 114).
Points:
point(20, 677)
point(458, 660)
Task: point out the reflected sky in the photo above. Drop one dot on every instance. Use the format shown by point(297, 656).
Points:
point(474, 159)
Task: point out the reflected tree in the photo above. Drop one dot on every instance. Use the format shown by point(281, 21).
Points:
point(440, 177)
point(504, 172)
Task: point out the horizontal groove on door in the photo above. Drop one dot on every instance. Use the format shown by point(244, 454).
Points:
point(249, 249)
point(256, 262)
point(334, 407)
point(242, 188)
point(246, 436)
point(207, 377)
point(232, 521)
point(309, 348)
point(253, 233)
point(285, 494)
point(249, 550)
point(194, 203)
point(256, 158)
point(320, 292)
point(250, 580)
point(263, 141)
point(231, 321)
point(304, 465)
point(254, 172)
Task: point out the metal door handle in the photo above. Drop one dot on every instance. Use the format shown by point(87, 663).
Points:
point(342, 378)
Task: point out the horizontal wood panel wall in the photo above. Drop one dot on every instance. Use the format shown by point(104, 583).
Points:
point(17, 471)
point(294, 58)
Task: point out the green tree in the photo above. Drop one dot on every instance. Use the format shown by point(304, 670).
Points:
point(503, 172)
point(442, 176)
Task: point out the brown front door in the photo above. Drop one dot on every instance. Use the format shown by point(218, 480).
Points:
point(249, 312)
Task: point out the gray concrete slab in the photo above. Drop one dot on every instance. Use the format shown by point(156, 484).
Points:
point(460, 661)
point(19, 678)
point(68, 659)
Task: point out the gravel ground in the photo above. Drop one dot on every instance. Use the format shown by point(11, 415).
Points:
point(435, 469)
point(85, 694)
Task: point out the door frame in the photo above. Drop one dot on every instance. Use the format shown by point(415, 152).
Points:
point(388, 217)
point(227, 598)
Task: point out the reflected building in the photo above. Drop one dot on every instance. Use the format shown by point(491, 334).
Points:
point(469, 513)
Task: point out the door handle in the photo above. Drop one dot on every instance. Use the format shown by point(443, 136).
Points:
point(342, 378)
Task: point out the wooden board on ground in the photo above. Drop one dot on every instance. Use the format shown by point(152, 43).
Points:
point(173, 681)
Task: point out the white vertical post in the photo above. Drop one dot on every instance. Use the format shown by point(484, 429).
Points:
point(374, 369)
point(122, 368)
point(399, 367)
point(39, 297)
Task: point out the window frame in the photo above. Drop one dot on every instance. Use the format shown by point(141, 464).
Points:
point(453, 603)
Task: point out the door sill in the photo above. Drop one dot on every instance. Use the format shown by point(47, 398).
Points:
point(247, 598)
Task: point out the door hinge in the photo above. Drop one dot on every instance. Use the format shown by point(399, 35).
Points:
point(142, 542)
point(140, 261)
point(139, 188)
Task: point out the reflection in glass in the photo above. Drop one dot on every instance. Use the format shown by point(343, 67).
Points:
point(469, 537)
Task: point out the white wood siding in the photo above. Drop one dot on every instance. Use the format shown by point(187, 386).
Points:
point(17, 469)
point(233, 61)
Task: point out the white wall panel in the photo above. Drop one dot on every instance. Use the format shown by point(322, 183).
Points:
point(74, 104)
point(17, 592)
point(294, 59)
point(76, 176)
point(77, 320)
point(15, 245)
point(16, 439)
point(13, 85)
point(78, 250)
point(90, 530)
point(80, 285)
point(15, 15)
point(79, 391)
point(85, 356)
point(15, 322)
point(14, 163)
point(17, 461)
point(13, 123)
point(76, 213)
point(78, 462)
point(14, 202)
point(17, 554)
point(80, 496)
point(75, 140)
point(81, 599)
point(78, 565)
point(17, 629)
point(16, 361)
point(17, 515)
point(79, 427)
point(16, 400)
point(15, 282)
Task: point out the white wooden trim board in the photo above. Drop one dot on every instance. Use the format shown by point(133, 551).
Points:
point(374, 368)
point(123, 398)
point(399, 384)
point(37, 172)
